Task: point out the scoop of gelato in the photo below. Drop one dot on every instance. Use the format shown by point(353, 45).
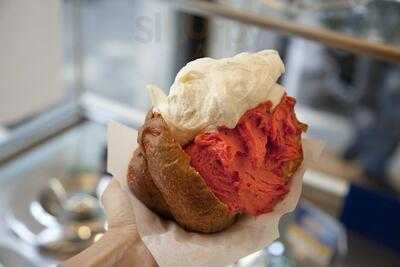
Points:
point(248, 167)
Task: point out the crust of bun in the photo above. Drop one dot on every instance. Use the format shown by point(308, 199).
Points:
point(142, 186)
point(188, 198)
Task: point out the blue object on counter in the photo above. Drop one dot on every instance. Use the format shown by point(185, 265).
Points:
point(373, 214)
point(321, 226)
point(314, 237)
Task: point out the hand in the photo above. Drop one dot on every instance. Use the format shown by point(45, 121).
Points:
point(121, 244)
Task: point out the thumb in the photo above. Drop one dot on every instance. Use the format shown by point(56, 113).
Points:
point(117, 206)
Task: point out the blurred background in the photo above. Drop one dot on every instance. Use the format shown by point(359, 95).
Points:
point(67, 67)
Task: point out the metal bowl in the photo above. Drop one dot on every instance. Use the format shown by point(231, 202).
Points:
point(69, 201)
point(70, 213)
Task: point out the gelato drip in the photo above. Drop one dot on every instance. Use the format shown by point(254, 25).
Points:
point(208, 93)
point(248, 167)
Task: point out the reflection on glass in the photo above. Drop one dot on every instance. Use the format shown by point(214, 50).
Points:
point(124, 53)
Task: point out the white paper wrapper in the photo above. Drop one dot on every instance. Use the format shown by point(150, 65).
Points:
point(171, 245)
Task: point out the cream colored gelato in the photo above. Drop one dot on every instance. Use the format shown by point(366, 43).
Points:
point(208, 93)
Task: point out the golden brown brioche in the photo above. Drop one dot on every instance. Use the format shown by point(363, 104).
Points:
point(186, 195)
point(141, 184)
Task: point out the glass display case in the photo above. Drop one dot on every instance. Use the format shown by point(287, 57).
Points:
point(342, 65)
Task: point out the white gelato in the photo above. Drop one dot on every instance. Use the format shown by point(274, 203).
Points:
point(208, 93)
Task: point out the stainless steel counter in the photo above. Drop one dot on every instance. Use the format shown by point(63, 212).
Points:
point(22, 180)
